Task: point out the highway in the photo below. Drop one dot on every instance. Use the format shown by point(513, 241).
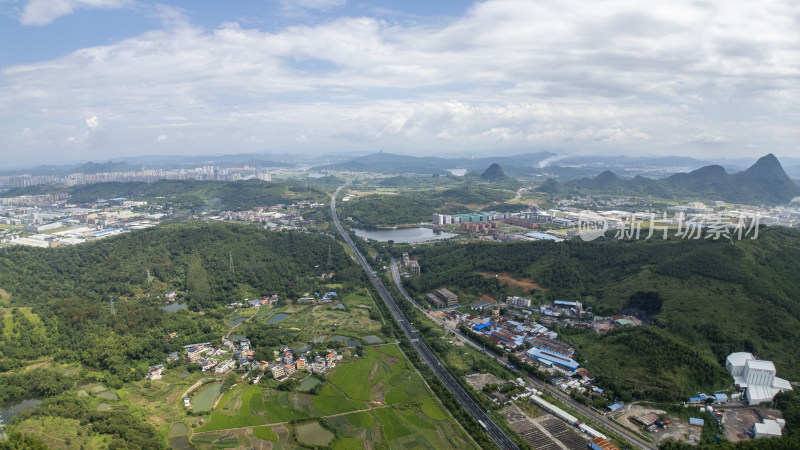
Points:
point(588, 412)
point(467, 402)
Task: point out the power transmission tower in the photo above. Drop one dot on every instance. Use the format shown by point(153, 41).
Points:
point(330, 260)
point(113, 311)
point(230, 254)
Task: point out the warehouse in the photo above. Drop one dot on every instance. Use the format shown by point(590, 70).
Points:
point(756, 377)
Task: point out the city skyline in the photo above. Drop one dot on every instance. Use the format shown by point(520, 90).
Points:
point(105, 79)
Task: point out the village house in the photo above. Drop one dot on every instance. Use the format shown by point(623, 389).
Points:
point(225, 366)
point(155, 372)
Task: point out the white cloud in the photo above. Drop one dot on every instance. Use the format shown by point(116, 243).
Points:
point(42, 12)
point(93, 122)
point(619, 74)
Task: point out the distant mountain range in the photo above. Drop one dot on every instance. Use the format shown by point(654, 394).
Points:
point(391, 163)
point(765, 182)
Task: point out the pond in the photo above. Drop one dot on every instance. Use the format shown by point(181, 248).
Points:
point(172, 307)
point(237, 319)
point(350, 342)
point(12, 410)
point(278, 318)
point(205, 398)
point(178, 429)
point(180, 443)
point(404, 235)
point(308, 384)
point(313, 433)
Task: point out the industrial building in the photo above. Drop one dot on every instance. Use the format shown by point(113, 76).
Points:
point(552, 359)
point(768, 429)
point(518, 302)
point(756, 377)
point(601, 443)
point(447, 297)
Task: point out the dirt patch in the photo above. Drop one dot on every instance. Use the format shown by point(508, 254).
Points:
point(506, 279)
point(737, 420)
point(487, 298)
point(4, 295)
point(479, 381)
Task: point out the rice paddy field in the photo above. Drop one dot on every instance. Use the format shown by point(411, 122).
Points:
point(377, 397)
point(373, 395)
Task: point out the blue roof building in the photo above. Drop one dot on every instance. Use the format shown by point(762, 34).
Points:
point(561, 361)
point(482, 326)
point(615, 406)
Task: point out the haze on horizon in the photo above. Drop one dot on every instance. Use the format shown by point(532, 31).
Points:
point(102, 79)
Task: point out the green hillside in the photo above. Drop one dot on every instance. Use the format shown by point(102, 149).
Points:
point(59, 298)
point(395, 209)
point(707, 297)
point(192, 195)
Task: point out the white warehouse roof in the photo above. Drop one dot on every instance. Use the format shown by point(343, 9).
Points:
point(760, 365)
point(740, 358)
point(768, 429)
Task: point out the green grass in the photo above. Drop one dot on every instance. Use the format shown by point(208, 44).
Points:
point(266, 433)
point(256, 402)
point(332, 405)
point(348, 444)
point(361, 419)
point(397, 395)
point(251, 401)
point(393, 428)
point(414, 419)
point(278, 408)
point(226, 443)
point(431, 410)
point(205, 439)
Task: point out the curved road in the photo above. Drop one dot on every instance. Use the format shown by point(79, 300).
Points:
point(467, 402)
point(634, 440)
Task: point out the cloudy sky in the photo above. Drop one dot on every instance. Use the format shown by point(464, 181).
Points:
point(101, 79)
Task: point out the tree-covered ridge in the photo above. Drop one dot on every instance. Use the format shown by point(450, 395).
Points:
point(413, 207)
point(192, 195)
point(60, 307)
point(716, 296)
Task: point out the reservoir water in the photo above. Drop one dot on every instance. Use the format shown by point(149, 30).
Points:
point(12, 410)
point(404, 235)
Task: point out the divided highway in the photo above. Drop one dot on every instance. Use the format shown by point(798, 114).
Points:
point(470, 405)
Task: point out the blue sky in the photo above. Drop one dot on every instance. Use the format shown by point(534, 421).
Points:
point(102, 79)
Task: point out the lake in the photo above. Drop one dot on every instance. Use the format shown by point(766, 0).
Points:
point(12, 410)
point(404, 235)
point(172, 307)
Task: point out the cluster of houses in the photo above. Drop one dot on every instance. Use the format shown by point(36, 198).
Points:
point(255, 303)
point(286, 364)
point(222, 359)
point(325, 297)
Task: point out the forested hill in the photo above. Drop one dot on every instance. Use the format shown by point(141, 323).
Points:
point(765, 182)
point(193, 195)
point(59, 298)
point(710, 297)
